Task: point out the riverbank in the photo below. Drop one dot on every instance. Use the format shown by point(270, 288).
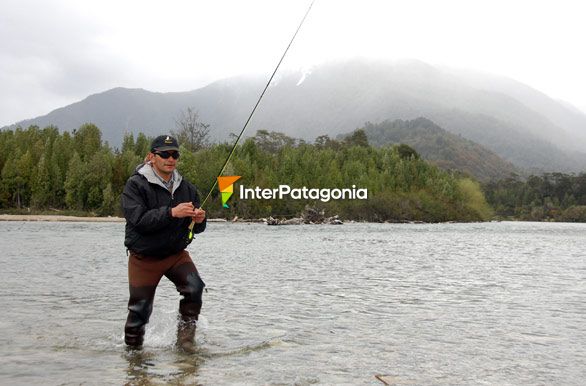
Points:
point(63, 218)
point(57, 218)
point(269, 221)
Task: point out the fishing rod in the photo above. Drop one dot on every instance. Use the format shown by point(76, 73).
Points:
point(250, 117)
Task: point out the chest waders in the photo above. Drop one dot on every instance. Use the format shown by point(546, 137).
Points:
point(144, 274)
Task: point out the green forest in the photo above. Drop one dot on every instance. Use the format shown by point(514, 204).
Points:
point(48, 172)
point(444, 149)
point(44, 171)
point(549, 197)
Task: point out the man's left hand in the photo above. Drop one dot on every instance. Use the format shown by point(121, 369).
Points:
point(200, 215)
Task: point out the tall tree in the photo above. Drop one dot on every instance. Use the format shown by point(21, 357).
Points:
point(41, 184)
point(75, 193)
point(127, 142)
point(98, 175)
point(57, 181)
point(108, 201)
point(143, 145)
point(272, 141)
point(357, 138)
point(88, 140)
point(23, 178)
point(190, 131)
point(10, 183)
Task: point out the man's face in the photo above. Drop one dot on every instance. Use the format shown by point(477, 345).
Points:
point(164, 166)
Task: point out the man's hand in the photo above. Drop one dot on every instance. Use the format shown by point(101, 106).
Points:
point(200, 215)
point(185, 209)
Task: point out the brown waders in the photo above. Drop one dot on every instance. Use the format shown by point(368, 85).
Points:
point(144, 274)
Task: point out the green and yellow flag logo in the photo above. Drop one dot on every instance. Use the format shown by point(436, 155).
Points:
point(226, 184)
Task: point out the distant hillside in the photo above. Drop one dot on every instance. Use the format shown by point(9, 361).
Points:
point(518, 123)
point(449, 151)
point(564, 115)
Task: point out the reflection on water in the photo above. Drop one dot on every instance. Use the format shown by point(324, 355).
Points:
point(496, 303)
point(147, 367)
point(143, 368)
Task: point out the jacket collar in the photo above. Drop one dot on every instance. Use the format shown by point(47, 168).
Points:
point(147, 171)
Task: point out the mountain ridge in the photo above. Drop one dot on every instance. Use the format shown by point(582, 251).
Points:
point(446, 150)
point(518, 123)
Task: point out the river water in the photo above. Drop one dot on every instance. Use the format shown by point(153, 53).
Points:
point(426, 304)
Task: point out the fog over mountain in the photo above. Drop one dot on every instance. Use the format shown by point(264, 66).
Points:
point(520, 124)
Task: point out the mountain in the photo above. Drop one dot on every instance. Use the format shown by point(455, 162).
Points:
point(518, 123)
point(563, 114)
point(448, 151)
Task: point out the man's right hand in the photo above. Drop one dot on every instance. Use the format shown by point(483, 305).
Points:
point(185, 209)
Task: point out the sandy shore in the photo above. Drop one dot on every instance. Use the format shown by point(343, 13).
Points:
point(34, 217)
point(17, 217)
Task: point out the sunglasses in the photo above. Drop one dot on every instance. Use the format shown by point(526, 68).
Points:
point(167, 154)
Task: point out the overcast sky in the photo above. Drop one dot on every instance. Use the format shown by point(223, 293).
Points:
point(56, 52)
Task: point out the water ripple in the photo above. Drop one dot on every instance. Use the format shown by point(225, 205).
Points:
point(493, 303)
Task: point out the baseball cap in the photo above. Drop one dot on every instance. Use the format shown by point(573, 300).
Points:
point(164, 142)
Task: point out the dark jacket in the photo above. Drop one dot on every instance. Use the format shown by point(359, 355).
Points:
point(150, 229)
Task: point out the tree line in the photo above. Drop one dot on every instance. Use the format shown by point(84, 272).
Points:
point(549, 197)
point(43, 169)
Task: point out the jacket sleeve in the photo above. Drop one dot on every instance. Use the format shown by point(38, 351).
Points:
point(198, 228)
point(137, 214)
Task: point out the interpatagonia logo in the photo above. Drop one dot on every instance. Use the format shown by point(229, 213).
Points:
point(226, 185)
point(304, 193)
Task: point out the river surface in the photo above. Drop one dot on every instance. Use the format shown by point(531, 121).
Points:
point(426, 304)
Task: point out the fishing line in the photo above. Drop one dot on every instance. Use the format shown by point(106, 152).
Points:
point(250, 117)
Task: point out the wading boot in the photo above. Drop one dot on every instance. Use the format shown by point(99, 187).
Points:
point(186, 336)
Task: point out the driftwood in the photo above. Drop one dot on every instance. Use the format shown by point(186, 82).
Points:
point(309, 216)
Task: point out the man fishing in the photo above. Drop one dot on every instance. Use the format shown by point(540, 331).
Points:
point(159, 206)
point(162, 215)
